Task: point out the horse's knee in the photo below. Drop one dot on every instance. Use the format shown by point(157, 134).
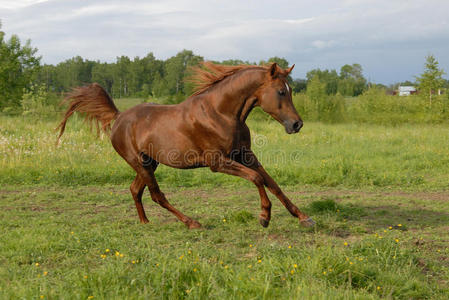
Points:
point(136, 187)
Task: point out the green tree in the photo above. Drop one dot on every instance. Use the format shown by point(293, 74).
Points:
point(298, 85)
point(122, 75)
point(176, 69)
point(351, 82)
point(282, 62)
point(18, 67)
point(103, 74)
point(234, 62)
point(329, 77)
point(432, 78)
point(316, 89)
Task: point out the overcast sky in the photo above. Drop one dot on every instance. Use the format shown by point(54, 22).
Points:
point(389, 38)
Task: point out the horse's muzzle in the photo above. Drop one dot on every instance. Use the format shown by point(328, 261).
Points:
point(293, 126)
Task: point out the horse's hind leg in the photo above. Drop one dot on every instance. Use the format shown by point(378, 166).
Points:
point(137, 187)
point(148, 178)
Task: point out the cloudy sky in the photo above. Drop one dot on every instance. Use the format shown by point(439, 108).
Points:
point(389, 38)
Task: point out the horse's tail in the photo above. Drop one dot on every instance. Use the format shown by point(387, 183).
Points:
point(94, 102)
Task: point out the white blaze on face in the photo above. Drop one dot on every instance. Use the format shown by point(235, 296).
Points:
point(288, 88)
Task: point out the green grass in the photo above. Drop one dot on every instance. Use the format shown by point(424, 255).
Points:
point(348, 255)
point(347, 155)
point(378, 194)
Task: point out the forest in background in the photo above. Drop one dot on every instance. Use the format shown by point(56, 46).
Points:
point(29, 87)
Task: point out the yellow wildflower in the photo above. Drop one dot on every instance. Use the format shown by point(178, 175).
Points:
point(295, 266)
point(107, 250)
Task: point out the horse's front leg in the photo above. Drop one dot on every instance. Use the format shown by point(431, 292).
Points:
point(231, 167)
point(249, 159)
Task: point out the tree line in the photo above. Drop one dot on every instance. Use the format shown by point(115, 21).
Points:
point(21, 73)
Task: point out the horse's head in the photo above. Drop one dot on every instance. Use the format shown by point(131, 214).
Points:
point(275, 98)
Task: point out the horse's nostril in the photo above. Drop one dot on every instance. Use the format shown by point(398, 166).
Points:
point(297, 126)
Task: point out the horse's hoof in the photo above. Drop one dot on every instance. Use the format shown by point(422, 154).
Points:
point(194, 225)
point(309, 222)
point(264, 222)
point(145, 221)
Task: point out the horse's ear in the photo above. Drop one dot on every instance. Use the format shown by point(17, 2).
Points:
point(273, 69)
point(290, 69)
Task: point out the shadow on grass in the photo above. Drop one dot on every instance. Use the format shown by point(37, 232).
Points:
point(376, 217)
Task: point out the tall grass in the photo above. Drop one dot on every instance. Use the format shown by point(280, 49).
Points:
point(347, 155)
point(373, 106)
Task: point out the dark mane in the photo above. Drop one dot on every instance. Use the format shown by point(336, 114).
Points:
point(208, 74)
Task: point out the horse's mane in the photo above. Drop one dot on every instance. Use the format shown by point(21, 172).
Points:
point(208, 74)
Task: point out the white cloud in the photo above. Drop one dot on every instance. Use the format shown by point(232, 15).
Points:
point(323, 44)
point(15, 4)
point(383, 36)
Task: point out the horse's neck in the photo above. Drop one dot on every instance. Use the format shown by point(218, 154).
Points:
point(234, 97)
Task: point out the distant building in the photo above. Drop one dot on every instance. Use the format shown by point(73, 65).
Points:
point(406, 90)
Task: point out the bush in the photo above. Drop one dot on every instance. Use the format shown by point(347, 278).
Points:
point(36, 101)
point(328, 109)
point(373, 106)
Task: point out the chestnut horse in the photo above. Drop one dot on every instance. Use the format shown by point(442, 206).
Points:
point(206, 130)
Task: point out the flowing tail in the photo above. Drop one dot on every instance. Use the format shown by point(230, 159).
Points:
point(95, 103)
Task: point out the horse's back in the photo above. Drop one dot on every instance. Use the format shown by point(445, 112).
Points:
point(143, 120)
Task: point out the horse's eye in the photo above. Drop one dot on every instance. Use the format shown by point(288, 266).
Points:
point(281, 93)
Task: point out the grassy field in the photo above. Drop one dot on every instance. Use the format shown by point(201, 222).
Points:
point(69, 228)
